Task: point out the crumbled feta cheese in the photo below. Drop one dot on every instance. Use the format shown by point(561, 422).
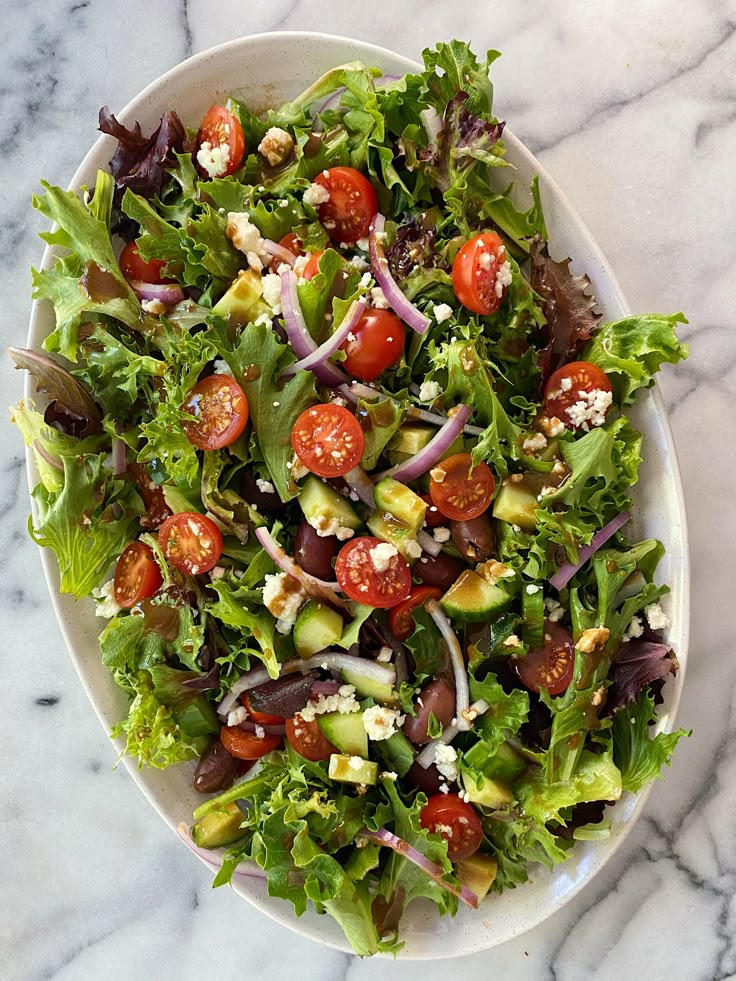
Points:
point(592, 638)
point(384, 655)
point(442, 312)
point(438, 474)
point(328, 525)
point(441, 535)
point(217, 573)
point(213, 159)
point(265, 486)
point(381, 555)
point(359, 263)
point(590, 409)
point(444, 789)
point(554, 609)
point(301, 264)
point(484, 260)
point(429, 390)
point(316, 194)
point(271, 285)
point(389, 775)
point(565, 384)
point(656, 617)
point(238, 715)
point(343, 702)
point(381, 722)
point(355, 763)
point(634, 630)
point(247, 239)
point(362, 244)
point(282, 597)
point(503, 277)
point(365, 280)
point(533, 443)
point(512, 641)
point(413, 548)
point(153, 306)
point(551, 426)
point(378, 299)
point(223, 368)
point(445, 758)
point(532, 588)
point(276, 146)
point(105, 603)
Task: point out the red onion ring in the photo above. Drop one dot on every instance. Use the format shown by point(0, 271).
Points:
point(167, 293)
point(567, 570)
point(296, 330)
point(317, 588)
point(207, 855)
point(436, 419)
point(462, 690)
point(318, 357)
point(359, 481)
point(399, 303)
point(440, 443)
point(280, 251)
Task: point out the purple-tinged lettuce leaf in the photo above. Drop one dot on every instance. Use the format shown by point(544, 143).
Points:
point(463, 140)
point(140, 162)
point(639, 662)
point(72, 409)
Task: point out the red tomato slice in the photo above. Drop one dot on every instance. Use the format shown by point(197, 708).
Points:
point(356, 571)
point(550, 666)
point(456, 821)
point(137, 575)
point(157, 510)
point(308, 739)
point(262, 718)
point(572, 384)
point(312, 267)
point(461, 494)
point(222, 132)
point(191, 542)
point(293, 243)
point(133, 267)
point(433, 517)
point(220, 409)
point(328, 440)
point(378, 342)
point(352, 204)
point(475, 271)
point(247, 745)
point(401, 620)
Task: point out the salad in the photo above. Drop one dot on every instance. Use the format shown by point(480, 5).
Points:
point(340, 449)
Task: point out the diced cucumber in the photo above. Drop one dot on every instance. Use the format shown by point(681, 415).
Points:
point(388, 528)
point(243, 302)
point(218, 828)
point(516, 504)
point(352, 769)
point(393, 496)
point(472, 599)
point(368, 688)
point(494, 794)
point(532, 606)
point(551, 451)
point(408, 441)
point(397, 752)
point(477, 873)
point(505, 764)
point(324, 508)
point(345, 731)
point(317, 627)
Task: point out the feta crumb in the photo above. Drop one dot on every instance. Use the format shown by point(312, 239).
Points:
point(656, 617)
point(592, 638)
point(445, 758)
point(565, 384)
point(634, 630)
point(359, 263)
point(532, 588)
point(378, 299)
point(381, 555)
point(384, 655)
point(389, 775)
point(533, 443)
point(441, 534)
point(442, 312)
point(213, 159)
point(276, 146)
point(512, 641)
point(271, 286)
point(429, 390)
point(238, 715)
point(464, 795)
point(217, 573)
point(438, 474)
point(554, 609)
point(153, 306)
point(328, 525)
point(355, 763)
point(260, 732)
point(381, 722)
point(105, 603)
point(484, 260)
point(590, 409)
point(265, 486)
point(503, 277)
point(551, 426)
point(413, 549)
point(444, 789)
point(362, 244)
point(365, 280)
point(316, 194)
point(223, 368)
point(343, 702)
point(247, 239)
point(282, 597)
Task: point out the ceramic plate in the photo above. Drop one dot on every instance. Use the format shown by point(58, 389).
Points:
point(253, 68)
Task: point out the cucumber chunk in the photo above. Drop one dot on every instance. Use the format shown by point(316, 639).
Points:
point(352, 769)
point(477, 873)
point(494, 794)
point(317, 627)
point(396, 498)
point(472, 599)
point(368, 688)
point(218, 828)
point(516, 504)
point(345, 731)
point(325, 509)
point(387, 527)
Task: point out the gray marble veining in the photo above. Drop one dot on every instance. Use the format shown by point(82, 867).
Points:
point(632, 108)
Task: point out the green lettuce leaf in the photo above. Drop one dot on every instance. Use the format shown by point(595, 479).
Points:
point(596, 778)
point(639, 756)
point(231, 609)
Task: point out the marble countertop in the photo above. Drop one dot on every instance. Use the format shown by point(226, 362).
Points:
point(632, 108)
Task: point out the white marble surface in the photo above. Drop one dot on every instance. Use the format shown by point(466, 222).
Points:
point(631, 105)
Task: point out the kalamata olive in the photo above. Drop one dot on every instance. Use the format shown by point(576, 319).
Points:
point(438, 570)
point(437, 697)
point(474, 538)
point(265, 503)
point(428, 781)
point(313, 553)
point(216, 769)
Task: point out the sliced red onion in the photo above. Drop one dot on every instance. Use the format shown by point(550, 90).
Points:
point(359, 481)
point(167, 293)
point(326, 687)
point(400, 304)
point(273, 248)
point(119, 456)
point(440, 443)
point(426, 757)
point(317, 588)
point(436, 419)
point(462, 691)
point(357, 390)
point(385, 837)
point(298, 334)
point(210, 855)
point(268, 730)
point(318, 357)
point(428, 543)
point(567, 570)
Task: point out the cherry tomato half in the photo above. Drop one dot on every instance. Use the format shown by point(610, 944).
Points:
point(157, 510)
point(191, 542)
point(133, 267)
point(352, 204)
point(401, 620)
point(261, 718)
point(456, 821)
point(137, 575)
point(293, 243)
point(223, 133)
point(378, 342)
point(311, 267)
point(475, 273)
point(550, 666)
point(247, 745)
point(465, 491)
point(571, 384)
point(308, 739)
point(328, 440)
point(362, 576)
point(220, 411)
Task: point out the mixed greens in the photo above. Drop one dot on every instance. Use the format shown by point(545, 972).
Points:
point(355, 446)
